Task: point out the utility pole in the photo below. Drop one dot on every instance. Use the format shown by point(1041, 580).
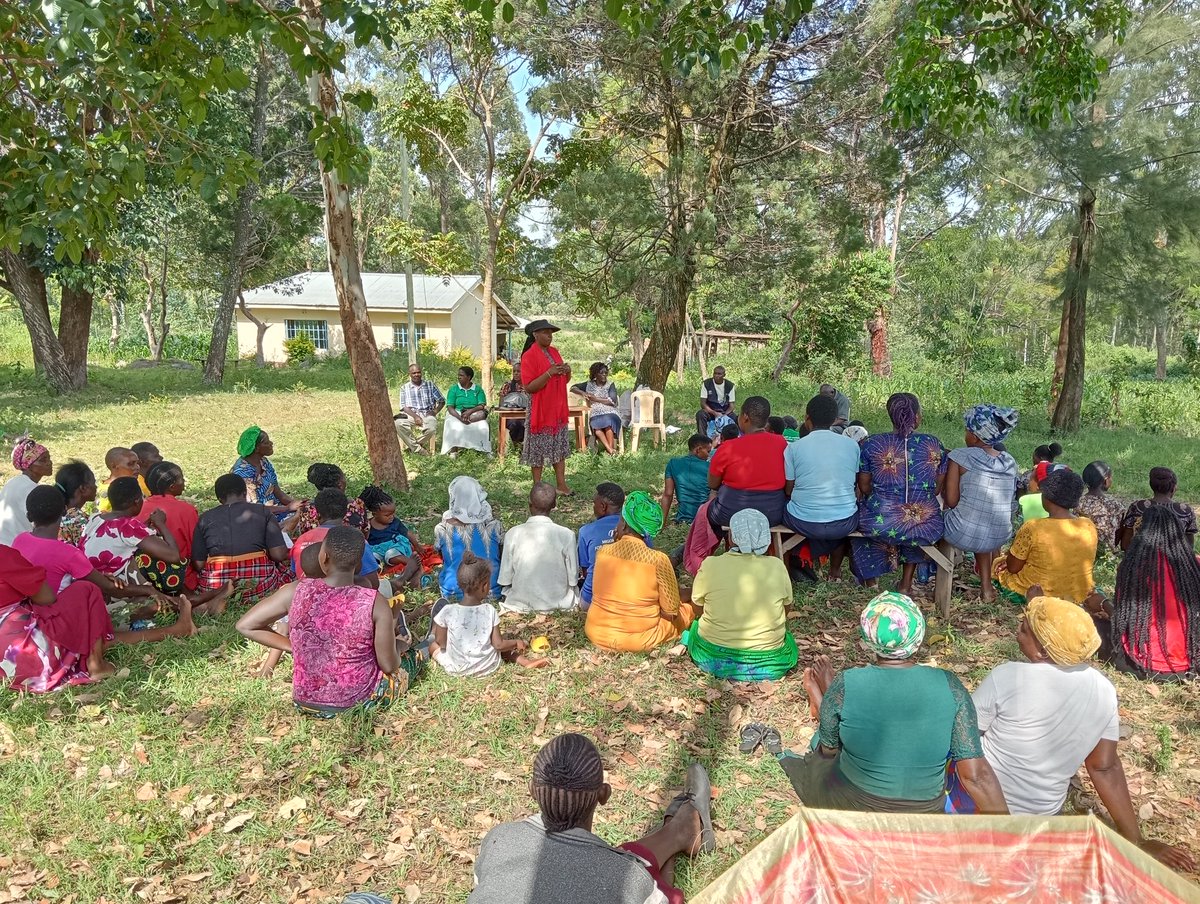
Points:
point(406, 214)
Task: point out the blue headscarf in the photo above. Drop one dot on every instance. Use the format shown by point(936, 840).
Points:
point(991, 423)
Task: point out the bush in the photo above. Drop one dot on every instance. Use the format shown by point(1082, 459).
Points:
point(299, 348)
point(460, 356)
point(429, 348)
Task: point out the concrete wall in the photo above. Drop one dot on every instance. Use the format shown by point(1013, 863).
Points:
point(438, 326)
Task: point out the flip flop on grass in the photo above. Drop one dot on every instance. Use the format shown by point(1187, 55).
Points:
point(751, 737)
point(771, 740)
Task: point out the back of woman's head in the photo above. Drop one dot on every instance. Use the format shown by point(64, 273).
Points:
point(1062, 488)
point(1163, 480)
point(124, 492)
point(228, 486)
point(1096, 474)
point(162, 477)
point(331, 504)
point(72, 477)
point(568, 781)
point(904, 409)
point(344, 548)
point(375, 498)
point(474, 573)
point(1047, 453)
point(45, 505)
point(325, 476)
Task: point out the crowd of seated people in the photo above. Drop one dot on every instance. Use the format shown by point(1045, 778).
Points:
point(319, 575)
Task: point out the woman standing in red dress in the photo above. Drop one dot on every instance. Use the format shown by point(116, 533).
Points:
point(547, 432)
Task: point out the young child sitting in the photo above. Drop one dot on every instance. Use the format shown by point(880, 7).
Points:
point(347, 647)
point(466, 634)
point(390, 540)
point(729, 431)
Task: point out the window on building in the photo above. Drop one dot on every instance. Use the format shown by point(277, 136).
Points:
point(400, 334)
point(316, 330)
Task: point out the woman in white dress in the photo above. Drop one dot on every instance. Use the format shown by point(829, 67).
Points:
point(32, 463)
point(601, 397)
point(466, 416)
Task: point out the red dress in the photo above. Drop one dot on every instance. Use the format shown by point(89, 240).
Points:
point(548, 408)
point(1166, 649)
point(182, 519)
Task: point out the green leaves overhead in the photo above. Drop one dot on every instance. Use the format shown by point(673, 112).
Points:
point(959, 64)
point(94, 94)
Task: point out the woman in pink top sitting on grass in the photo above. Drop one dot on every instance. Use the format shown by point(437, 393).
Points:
point(347, 647)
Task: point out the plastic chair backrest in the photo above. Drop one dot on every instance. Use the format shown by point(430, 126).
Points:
point(647, 408)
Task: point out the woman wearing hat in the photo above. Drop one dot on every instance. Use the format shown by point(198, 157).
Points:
point(885, 728)
point(547, 431)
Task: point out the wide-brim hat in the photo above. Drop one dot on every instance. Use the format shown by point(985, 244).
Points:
point(542, 324)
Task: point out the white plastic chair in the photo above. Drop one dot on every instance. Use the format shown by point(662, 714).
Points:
point(647, 415)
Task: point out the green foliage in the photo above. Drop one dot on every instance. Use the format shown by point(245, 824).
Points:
point(461, 356)
point(299, 348)
point(429, 348)
point(436, 253)
point(1162, 757)
point(958, 64)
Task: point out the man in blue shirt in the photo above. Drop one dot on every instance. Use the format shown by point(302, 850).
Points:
point(606, 506)
point(687, 480)
point(821, 470)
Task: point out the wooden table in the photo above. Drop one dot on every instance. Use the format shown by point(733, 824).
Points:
point(578, 417)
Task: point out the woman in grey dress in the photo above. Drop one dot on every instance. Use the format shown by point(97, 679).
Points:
point(979, 491)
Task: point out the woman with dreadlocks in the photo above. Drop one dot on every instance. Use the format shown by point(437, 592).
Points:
point(1155, 626)
point(554, 857)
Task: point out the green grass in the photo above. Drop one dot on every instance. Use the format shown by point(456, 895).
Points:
point(134, 789)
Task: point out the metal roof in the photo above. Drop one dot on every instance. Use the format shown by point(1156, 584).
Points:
point(384, 291)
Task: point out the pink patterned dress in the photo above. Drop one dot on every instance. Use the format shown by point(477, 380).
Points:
point(333, 646)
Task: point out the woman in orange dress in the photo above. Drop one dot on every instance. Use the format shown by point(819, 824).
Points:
point(635, 598)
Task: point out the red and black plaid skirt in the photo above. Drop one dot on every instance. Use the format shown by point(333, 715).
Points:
point(253, 575)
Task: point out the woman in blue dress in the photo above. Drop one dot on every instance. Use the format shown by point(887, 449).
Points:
point(467, 524)
point(901, 476)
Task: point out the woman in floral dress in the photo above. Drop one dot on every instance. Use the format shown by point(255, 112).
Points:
point(901, 477)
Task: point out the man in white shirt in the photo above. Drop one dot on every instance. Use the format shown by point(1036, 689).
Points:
point(1042, 719)
point(539, 568)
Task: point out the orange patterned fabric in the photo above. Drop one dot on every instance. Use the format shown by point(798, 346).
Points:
point(830, 855)
point(635, 599)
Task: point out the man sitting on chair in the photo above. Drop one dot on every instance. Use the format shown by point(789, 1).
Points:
point(747, 472)
point(420, 403)
point(716, 401)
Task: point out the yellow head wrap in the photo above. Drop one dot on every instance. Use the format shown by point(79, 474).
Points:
point(1063, 628)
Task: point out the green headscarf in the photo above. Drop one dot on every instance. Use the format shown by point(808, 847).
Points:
point(248, 441)
point(892, 626)
point(642, 514)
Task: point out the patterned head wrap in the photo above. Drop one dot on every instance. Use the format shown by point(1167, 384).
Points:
point(751, 532)
point(468, 502)
point(1063, 628)
point(904, 409)
point(642, 513)
point(991, 423)
point(248, 441)
point(856, 432)
point(892, 626)
point(26, 452)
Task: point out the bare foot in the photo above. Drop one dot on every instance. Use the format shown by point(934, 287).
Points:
point(987, 592)
point(835, 577)
point(533, 662)
point(565, 490)
point(184, 626)
point(216, 606)
point(106, 670)
point(808, 681)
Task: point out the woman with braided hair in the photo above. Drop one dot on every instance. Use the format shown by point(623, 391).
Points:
point(554, 857)
point(325, 476)
point(1155, 622)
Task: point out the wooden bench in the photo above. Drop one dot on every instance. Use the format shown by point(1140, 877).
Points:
point(944, 556)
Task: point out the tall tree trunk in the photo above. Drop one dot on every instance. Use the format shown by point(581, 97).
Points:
point(487, 330)
point(243, 228)
point(1069, 406)
point(75, 324)
point(370, 382)
point(28, 285)
point(442, 191)
point(260, 331)
point(668, 324)
point(637, 342)
point(785, 353)
point(881, 353)
point(1160, 345)
point(114, 323)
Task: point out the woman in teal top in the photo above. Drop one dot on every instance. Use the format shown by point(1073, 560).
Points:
point(887, 729)
point(466, 416)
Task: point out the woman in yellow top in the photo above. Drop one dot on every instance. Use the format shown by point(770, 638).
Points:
point(742, 634)
point(1056, 552)
point(635, 597)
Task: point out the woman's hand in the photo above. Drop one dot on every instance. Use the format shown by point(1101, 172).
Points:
point(157, 520)
point(1173, 855)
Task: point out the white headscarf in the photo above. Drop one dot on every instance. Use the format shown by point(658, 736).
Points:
point(751, 532)
point(468, 502)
